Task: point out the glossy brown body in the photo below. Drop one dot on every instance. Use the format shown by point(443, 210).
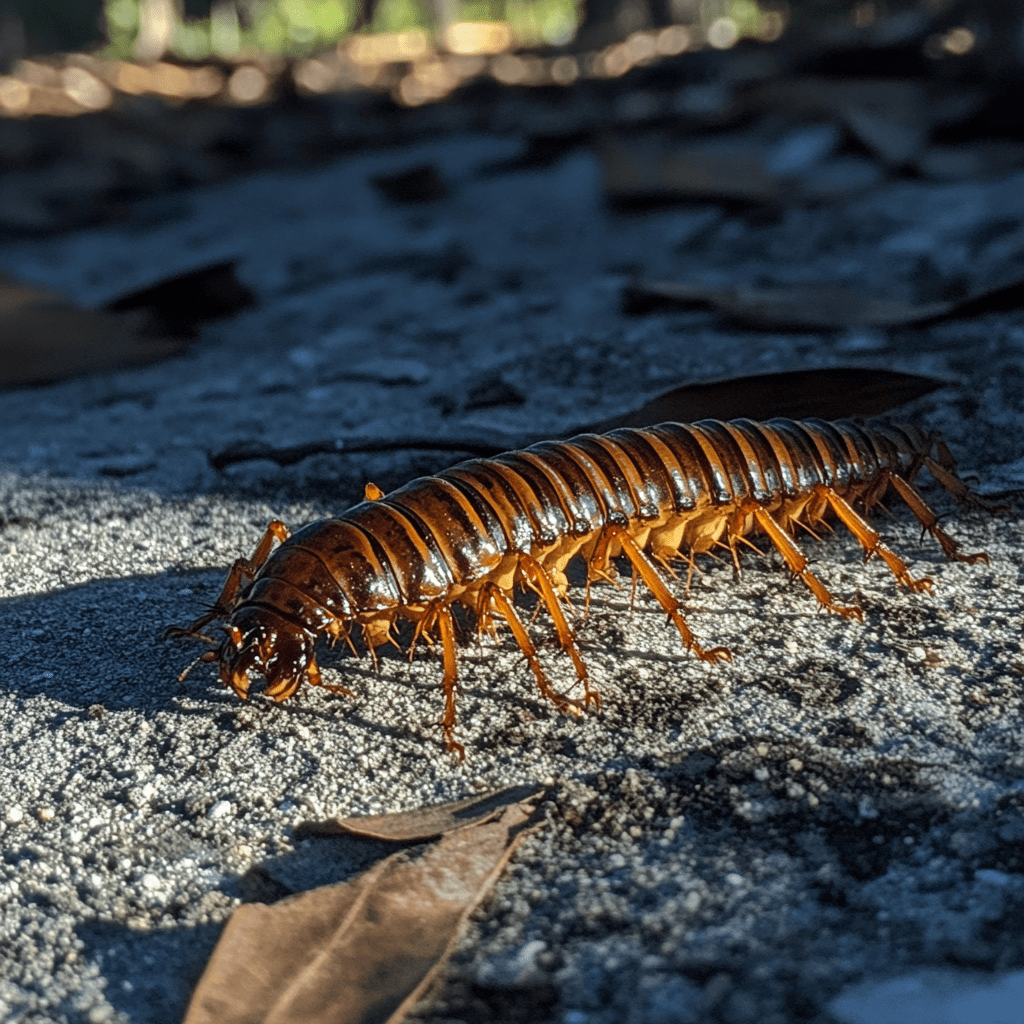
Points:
point(472, 533)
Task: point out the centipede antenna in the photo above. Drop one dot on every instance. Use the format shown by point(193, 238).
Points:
point(205, 656)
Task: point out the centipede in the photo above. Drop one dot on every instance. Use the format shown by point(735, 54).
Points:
point(472, 535)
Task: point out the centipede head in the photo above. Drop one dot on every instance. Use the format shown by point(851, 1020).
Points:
point(262, 642)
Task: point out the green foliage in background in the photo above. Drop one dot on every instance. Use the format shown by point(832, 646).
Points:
point(294, 27)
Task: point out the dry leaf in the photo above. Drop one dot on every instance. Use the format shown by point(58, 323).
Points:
point(360, 952)
point(816, 306)
point(973, 159)
point(179, 305)
point(797, 394)
point(420, 184)
point(895, 142)
point(785, 307)
point(835, 393)
point(891, 117)
point(653, 172)
point(906, 101)
point(45, 338)
point(423, 822)
point(288, 455)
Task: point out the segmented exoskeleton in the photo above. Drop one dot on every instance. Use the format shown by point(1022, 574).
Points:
point(474, 532)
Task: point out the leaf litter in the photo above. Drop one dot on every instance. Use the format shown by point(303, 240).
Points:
point(364, 951)
point(833, 393)
point(44, 337)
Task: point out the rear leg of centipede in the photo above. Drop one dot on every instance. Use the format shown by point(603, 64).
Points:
point(493, 594)
point(929, 520)
point(796, 561)
point(649, 574)
point(868, 538)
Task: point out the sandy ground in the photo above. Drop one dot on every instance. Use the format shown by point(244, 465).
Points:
point(841, 808)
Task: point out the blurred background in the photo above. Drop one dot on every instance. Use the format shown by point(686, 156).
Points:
point(350, 36)
point(773, 106)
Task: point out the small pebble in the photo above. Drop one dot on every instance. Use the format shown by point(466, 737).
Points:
point(220, 809)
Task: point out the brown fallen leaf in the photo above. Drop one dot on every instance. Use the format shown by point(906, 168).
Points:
point(830, 393)
point(892, 118)
point(984, 158)
point(289, 455)
point(895, 142)
point(823, 306)
point(420, 184)
point(653, 172)
point(906, 101)
point(180, 304)
point(802, 307)
point(361, 952)
point(45, 338)
point(423, 822)
point(835, 393)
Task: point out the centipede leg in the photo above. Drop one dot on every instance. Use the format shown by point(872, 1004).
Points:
point(250, 566)
point(315, 679)
point(446, 628)
point(691, 565)
point(649, 574)
point(337, 628)
point(242, 567)
point(870, 541)
point(566, 637)
point(797, 563)
point(928, 519)
point(506, 609)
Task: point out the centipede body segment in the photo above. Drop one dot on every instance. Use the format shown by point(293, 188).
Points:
point(475, 532)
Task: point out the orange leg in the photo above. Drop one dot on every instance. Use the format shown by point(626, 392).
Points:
point(443, 614)
point(734, 537)
point(927, 518)
point(337, 628)
point(242, 567)
point(649, 574)
point(507, 611)
point(797, 563)
point(733, 532)
point(944, 470)
point(315, 679)
point(869, 540)
point(566, 639)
